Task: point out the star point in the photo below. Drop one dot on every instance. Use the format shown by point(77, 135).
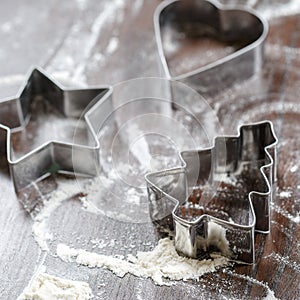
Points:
point(53, 154)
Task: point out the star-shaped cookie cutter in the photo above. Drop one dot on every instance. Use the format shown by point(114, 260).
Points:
point(52, 156)
point(233, 24)
point(218, 199)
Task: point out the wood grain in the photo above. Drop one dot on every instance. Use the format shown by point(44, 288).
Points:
point(71, 40)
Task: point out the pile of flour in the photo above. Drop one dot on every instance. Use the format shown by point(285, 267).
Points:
point(162, 262)
point(48, 287)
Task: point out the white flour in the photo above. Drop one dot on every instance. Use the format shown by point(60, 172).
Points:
point(278, 8)
point(39, 227)
point(161, 263)
point(48, 287)
point(285, 194)
point(284, 260)
point(112, 45)
point(280, 209)
point(269, 293)
point(270, 296)
point(65, 190)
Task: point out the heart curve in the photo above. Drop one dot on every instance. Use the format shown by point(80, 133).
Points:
point(241, 28)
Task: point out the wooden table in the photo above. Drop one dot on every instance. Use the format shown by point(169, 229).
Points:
point(105, 42)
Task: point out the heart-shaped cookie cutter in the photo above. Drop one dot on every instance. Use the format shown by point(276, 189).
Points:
point(218, 200)
point(226, 23)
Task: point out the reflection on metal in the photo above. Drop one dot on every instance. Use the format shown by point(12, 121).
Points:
point(236, 26)
point(52, 156)
point(218, 198)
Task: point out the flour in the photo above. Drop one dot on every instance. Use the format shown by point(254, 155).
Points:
point(112, 45)
point(270, 294)
point(65, 189)
point(277, 9)
point(163, 262)
point(82, 4)
point(7, 80)
point(6, 27)
point(229, 179)
point(94, 188)
point(294, 169)
point(50, 204)
point(285, 194)
point(110, 12)
point(281, 210)
point(137, 6)
point(285, 260)
point(48, 287)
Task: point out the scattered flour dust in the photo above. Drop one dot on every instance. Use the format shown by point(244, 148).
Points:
point(51, 202)
point(285, 194)
point(270, 296)
point(40, 221)
point(112, 45)
point(163, 262)
point(47, 287)
point(276, 9)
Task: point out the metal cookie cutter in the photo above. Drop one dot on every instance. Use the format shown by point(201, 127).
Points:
point(218, 200)
point(52, 156)
point(236, 26)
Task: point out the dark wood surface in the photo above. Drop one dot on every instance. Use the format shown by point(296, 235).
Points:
point(71, 40)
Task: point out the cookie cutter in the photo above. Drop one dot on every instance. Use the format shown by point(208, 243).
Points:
point(52, 156)
point(232, 24)
point(218, 201)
